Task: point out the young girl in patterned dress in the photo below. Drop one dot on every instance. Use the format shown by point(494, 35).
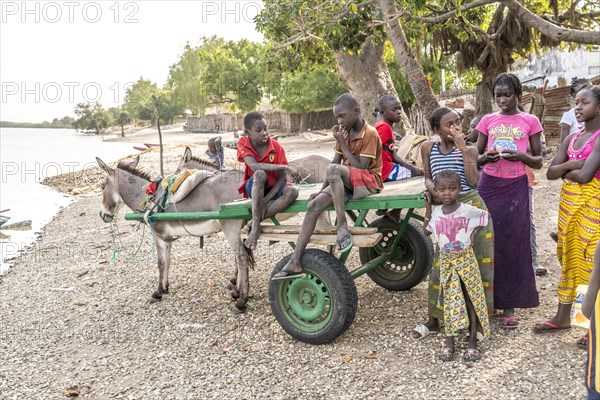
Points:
point(455, 224)
point(578, 164)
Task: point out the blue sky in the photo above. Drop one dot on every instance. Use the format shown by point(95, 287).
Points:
point(54, 54)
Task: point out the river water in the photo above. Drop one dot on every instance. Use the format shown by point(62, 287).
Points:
point(27, 157)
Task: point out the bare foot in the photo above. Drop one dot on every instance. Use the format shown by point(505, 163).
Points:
point(252, 239)
point(248, 227)
point(291, 268)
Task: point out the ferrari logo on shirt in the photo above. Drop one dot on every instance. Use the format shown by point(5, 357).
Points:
point(271, 157)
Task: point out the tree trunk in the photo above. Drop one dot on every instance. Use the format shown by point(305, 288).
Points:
point(368, 78)
point(419, 83)
point(483, 96)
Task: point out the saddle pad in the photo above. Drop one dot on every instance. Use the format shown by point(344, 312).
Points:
point(179, 179)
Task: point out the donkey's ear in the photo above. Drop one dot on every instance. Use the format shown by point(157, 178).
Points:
point(105, 167)
point(135, 162)
point(187, 155)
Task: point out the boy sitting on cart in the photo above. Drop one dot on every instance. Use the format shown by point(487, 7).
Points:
point(354, 172)
point(265, 167)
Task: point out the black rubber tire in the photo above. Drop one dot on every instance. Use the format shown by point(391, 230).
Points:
point(325, 277)
point(412, 260)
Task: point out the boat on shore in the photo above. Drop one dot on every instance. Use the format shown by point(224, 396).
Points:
point(21, 225)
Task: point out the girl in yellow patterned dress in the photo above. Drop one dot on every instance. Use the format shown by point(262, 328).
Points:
point(578, 164)
point(454, 224)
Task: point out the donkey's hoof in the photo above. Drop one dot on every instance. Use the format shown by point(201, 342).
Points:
point(240, 305)
point(235, 294)
point(156, 297)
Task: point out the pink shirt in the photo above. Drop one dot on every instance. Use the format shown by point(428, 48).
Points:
point(585, 150)
point(506, 132)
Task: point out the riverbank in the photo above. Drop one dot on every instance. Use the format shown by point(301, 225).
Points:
point(73, 323)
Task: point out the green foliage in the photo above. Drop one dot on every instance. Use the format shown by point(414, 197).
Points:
point(92, 117)
point(306, 32)
point(219, 72)
point(311, 89)
point(168, 108)
point(139, 103)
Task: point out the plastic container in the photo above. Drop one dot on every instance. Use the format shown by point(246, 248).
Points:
point(578, 320)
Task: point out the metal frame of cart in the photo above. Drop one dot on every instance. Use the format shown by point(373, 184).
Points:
point(321, 306)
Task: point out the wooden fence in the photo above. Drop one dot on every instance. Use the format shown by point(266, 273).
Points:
point(276, 120)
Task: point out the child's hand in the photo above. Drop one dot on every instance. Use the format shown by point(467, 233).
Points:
point(492, 156)
point(459, 140)
point(511, 155)
point(338, 133)
point(428, 202)
point(294, 174)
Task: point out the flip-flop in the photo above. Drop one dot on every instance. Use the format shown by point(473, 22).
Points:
point(583, 342)
point(422, 330)
point(472, 355)
point(288, 275)
point(547, 327)
point(447, 354)
point(347, 239)
point(509, 323)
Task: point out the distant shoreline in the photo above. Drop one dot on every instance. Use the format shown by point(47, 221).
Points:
point(33, 125)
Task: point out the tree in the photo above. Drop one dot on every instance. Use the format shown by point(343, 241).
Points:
point(487, 36)
point(121, 118)
point(138, 100)
point(218, 72)
point(353, 41)
point(92, 117)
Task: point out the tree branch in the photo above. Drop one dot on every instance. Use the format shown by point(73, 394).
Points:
point(549, 29)
point(446, 16)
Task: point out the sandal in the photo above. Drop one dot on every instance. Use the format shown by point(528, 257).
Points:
point(423, 331)
point(345, 244)
point(447, 354)
point(509, 323)
point(583, 342)
point(472, 355)
point(548, 327)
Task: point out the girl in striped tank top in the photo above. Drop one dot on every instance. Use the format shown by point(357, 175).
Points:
point(452, 152)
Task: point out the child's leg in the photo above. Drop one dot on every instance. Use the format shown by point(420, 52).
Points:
point(539, 270)
point(289, 194)
point(258, 190)
point(338, 175)
point(314, 208)
point(447, 353)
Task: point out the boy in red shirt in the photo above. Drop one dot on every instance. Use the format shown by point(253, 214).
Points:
point(354, 172)
point(394, 168)
point(264, 174)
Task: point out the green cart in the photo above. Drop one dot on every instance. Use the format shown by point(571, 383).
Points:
point(322, 305)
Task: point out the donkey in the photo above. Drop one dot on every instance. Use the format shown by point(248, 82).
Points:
point(126, 185)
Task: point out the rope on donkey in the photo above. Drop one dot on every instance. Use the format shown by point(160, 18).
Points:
point(119, 247)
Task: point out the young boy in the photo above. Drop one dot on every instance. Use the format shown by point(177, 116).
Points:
point(354, 172)
point(591, 308)
point(394, 168)
point(264, 174)
point(215, 152)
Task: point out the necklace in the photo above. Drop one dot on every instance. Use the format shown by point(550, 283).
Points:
point(577, 153)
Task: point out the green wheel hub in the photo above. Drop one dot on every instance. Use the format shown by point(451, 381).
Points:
point(307, 302)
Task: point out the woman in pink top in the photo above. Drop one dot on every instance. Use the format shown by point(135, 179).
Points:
point(502, 144)
point(578, 164)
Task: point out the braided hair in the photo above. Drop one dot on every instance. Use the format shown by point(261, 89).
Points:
point(579, 84)
point(510, 80)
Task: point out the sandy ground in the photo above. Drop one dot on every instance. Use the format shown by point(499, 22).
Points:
point(75, 324)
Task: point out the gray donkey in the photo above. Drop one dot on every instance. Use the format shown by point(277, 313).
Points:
point(126, 185)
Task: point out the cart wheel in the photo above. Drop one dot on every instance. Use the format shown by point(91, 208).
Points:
point(412, 259)
point(319, 307)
